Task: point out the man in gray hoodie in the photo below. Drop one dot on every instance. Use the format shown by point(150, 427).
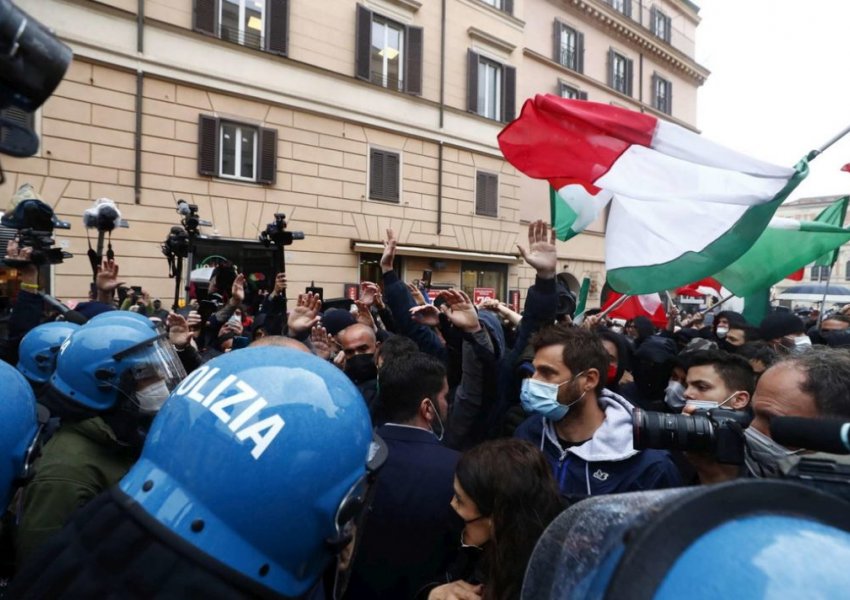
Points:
point(584, 430)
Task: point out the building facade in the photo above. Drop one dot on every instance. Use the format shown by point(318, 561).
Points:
point(350, 117)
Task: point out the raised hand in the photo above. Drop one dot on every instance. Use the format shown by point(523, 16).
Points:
point(416, 293)
point(237, 292)
point(107, 277)
point(179, 333)
point(388, 256)
point(320, 340)
point(541, 253)
point(426, 314)
point(364, 315)
point(305, 315)
point(368, 291)
point(279, 284)
point(461, 311)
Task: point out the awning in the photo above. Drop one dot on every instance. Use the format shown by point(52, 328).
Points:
point(426, 252)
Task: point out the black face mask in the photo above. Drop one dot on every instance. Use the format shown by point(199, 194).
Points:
point(361, 367)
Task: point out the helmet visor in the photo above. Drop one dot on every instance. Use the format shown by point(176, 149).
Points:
point(155, 371)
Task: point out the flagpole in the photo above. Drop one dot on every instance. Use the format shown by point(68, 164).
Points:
point(823, 299)
point(617, 303)
point(713, 306)
point(820, 150)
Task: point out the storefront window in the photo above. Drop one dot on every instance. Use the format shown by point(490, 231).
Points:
point(251, 258)
point(485, 275)
point(370, 267)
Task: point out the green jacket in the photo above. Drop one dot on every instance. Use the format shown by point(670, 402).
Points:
point(81, 460)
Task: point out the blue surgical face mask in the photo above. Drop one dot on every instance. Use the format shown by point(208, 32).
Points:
point(542, 398)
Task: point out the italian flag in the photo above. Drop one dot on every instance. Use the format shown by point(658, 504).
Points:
point(643, 305)
point(681, 207)
point(785, 246)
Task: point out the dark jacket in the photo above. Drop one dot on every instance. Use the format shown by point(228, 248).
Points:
point(81, 460)
point(411, 531)
point(398, 299)
point(113, 549)
point(607, 463)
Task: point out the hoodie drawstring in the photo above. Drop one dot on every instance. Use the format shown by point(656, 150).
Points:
point(587, 477)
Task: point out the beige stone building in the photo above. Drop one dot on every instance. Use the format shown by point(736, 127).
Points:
point(348, 116)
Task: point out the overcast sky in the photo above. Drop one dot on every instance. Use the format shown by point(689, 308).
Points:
point(779, 83)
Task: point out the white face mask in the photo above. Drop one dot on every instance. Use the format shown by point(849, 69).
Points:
point(762, 454)
point(708, 404)
point(674, 395)
point(440, 435)
point(151, 398)
point(722, 331)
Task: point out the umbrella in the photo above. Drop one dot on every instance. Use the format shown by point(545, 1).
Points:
point(814, 292)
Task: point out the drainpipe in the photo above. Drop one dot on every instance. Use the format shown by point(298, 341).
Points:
point(440, 188)
point(442, 64)
point(140, 80)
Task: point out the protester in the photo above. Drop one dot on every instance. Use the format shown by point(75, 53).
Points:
point(410, 532)
point(584, 430)
point(506, 496)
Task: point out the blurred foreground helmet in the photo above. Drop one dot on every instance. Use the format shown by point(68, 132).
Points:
point(261, 459)
point(112, 358)
point(742, 539)
point(18, 429)
point(38, 350)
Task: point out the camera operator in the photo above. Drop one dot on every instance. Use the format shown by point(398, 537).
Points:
point(813, 384)
point(716, 380)
point(27, 312)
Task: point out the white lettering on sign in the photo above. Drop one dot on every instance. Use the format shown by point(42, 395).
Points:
point(230, 393)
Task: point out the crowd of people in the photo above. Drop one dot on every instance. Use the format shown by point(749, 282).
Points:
point(399, 448)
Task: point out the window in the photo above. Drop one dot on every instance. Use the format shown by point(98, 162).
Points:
point(388, 53)
point(820, 272)
point(483, 275)
point(491, 88)
point(503, 5)
point(659, 24)
point(384, 175)
point(622, 6)
point(569, 47)
point(234, 150)
point(662, 94)
point(261, 24)
point(619, 72)
point(486, 194)
point(14, 139)
point(567, 91)
point(370, 267)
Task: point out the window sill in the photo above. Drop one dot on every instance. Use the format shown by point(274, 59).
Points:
point(385, 201)
point(231, 179)
point(508, 18)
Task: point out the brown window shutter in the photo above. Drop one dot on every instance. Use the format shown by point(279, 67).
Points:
point(629, 69)
point(582, 95)
point(556, 39)
point(486, 194)
point(580, 52)
point(508, 6)
point(205, 14)
point(391, 176)
point(376, 175)
point(472, 81)
point(267, 173)
point(509, 95)
point(413, 61)
point(627, 8)
point(277, 26)
point(611, 67)
point(208, 145)
point(363, 43)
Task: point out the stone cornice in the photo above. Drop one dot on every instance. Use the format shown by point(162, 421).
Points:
point(491, 39)
point(641, 37)
point(591, 82)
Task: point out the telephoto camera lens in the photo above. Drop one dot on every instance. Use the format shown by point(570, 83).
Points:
point(672, 432)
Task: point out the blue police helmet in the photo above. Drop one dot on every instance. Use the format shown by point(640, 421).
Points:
point(120, 316)
point(38, 350)
point(18, 428)
point(101, 362)
point(259, 459)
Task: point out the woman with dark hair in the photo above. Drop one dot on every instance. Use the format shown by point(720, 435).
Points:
point(506, 496)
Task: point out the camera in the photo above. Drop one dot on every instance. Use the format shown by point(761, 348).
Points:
point(718, 432)
point(276, 233)
point(177, 243)
point(35, 221)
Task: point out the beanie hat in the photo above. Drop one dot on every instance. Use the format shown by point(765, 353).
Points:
point(780, 324)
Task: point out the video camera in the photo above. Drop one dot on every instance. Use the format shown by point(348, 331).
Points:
point(276, 233)
point(35, 221)
point(176, 244)
point(718, 432)
point(32, 63)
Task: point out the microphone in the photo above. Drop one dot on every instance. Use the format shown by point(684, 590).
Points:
point(823, 435)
